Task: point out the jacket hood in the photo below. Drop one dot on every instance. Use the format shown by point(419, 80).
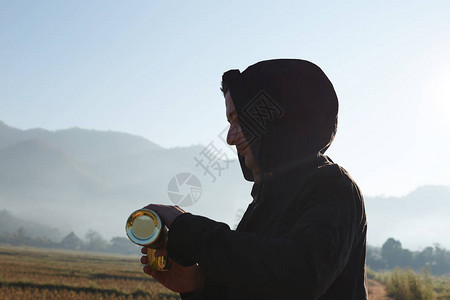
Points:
point(287, 109)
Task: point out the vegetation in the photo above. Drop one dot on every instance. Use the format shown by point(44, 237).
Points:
point(407, 274)
point(30, 273)
point(406, 284)
point(93, 242)
point(57, 274)
point(54, 274)
point(391, 255)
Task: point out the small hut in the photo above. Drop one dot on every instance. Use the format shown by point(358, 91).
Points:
point(71, 241)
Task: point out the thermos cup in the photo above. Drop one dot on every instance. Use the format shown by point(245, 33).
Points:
point(145, 228)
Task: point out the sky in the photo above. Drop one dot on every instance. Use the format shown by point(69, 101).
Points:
point(153, 69)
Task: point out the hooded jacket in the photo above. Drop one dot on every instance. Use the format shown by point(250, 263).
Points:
point(304, 234)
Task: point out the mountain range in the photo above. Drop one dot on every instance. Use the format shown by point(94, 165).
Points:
point(78, 179)
point(418, 220)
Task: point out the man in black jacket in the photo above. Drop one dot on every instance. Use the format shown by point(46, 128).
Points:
point(304, 234)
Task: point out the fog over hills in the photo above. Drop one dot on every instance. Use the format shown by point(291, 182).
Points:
point(80, 143)
point(79, 179)
point(418, 219)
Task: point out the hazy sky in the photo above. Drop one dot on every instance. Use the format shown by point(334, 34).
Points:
point(153, 68)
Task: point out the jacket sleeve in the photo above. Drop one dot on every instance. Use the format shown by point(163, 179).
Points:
point(210, 291)
point(304, 262)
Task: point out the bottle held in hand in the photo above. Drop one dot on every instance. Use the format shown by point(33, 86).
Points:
point(145, 228)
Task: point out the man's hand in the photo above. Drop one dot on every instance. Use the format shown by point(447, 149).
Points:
point(178, 278)
point(167, 213)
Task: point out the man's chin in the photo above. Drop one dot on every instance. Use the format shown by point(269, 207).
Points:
point(249, 162)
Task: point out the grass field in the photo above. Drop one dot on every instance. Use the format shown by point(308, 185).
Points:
point(27, 273)
point(409, 285)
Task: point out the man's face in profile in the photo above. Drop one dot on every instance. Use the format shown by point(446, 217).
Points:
point(236, 137)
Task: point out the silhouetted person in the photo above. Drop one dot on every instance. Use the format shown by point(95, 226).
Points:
point(304, 234)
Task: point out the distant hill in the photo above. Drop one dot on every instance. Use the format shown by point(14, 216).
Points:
point(33, 167)
point(79, 179)
point(11, 224)
point(418, 219)
point(80, 143)
point(9, 135)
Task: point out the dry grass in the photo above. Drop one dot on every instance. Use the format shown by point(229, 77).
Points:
point(27, 273)
point(409, 285)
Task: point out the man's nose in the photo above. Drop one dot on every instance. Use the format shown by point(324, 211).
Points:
point(231, 135)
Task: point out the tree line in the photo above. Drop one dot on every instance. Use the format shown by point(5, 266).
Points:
point(93, 241)
point(391, 255)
